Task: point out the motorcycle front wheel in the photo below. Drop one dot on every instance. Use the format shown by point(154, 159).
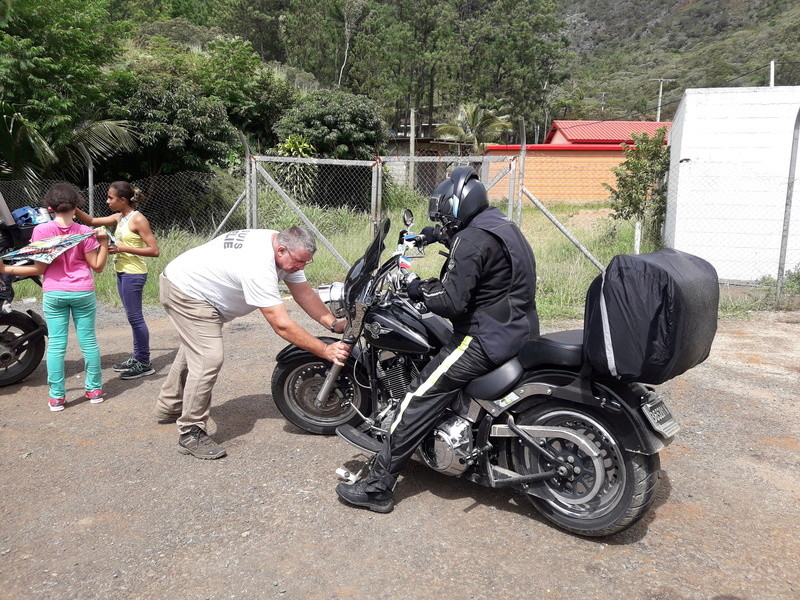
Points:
point(587, 502)
point(295, 385)
point(17, 363)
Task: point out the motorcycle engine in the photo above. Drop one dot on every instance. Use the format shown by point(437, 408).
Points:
point(396, 373)
point(448, 447)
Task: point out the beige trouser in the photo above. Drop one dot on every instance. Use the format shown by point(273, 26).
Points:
point(190, 381)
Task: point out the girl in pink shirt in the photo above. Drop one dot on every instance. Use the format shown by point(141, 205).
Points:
point(68, 286)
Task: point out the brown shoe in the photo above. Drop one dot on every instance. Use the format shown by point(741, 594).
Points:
point(198, 444)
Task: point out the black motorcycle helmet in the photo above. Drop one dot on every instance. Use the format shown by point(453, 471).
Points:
point(457, 200)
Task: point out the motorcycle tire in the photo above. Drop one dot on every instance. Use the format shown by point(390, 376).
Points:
point(295, 385)
point(16, 365)
point(625, 493)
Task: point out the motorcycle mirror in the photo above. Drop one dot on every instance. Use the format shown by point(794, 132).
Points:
point(408, 217)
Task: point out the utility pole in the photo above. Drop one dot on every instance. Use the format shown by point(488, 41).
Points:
point(660, 91)
point(603, 101)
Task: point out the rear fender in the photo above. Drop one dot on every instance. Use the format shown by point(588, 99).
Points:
point(617, 402)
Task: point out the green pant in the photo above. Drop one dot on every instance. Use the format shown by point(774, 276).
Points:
point(58, 306)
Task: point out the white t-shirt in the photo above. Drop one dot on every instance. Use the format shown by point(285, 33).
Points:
point(234, 272)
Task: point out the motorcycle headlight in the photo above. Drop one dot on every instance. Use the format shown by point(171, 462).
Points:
point(333, 296)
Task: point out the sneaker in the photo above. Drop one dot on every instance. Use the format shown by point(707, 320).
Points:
point(138, 369)
point(198, 444)
point(357, 495)
point(56, 404)
point(124, 365)
point(94, 396)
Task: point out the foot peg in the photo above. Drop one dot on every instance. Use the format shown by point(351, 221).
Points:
point(346, 475)
point(359, 439)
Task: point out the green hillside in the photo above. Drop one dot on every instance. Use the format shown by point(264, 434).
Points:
point(620, 47)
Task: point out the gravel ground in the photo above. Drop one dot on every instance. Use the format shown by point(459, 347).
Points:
point(97, 503)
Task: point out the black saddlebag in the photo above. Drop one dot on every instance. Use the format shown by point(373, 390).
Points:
point(650, 317)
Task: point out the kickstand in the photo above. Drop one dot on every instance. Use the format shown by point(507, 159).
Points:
point(351, 478)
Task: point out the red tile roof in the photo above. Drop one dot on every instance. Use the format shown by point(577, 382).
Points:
point(601, 132)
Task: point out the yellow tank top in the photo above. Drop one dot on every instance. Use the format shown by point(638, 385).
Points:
point(124, 262)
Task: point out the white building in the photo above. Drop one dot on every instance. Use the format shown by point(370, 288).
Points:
point(731, 151)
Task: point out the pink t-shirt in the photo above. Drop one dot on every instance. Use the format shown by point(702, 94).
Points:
point(69, 272)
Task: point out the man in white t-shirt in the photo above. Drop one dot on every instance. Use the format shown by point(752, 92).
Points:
point(228, 277)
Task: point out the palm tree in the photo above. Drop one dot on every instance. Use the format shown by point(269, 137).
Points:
point(23, 152)
point(475, 125)
point(26, 155)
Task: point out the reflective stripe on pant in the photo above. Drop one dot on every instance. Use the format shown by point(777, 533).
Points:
point(437, 385)
point(190, 381)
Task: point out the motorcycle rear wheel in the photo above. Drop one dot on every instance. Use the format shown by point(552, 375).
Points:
point(628, 484)
point(295, 385)
point(17, 364)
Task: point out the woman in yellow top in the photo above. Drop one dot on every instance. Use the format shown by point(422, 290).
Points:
point(134, 240)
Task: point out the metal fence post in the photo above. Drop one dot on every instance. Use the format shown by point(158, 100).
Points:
point(787, 213)
point(90, 174)
point(373, 209)
point(512, 175)
point(521, 171)
point(412, 150)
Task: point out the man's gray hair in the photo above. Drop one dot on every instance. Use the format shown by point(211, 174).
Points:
point(297, 238)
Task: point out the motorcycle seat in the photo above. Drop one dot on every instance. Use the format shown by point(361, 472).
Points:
point(563, 348)
point(497, 383)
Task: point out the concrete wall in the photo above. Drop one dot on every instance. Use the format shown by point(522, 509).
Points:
point(729, 173)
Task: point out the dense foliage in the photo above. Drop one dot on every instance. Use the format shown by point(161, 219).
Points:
point(179, 78)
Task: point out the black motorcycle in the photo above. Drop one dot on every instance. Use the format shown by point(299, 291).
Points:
point(582, 448)
point(22, 334)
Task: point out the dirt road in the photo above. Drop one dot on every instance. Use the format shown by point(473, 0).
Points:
point(97, 503)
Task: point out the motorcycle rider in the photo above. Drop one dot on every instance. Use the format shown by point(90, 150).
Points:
point(488, 291)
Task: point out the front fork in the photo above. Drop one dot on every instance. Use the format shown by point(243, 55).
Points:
point(333, 374)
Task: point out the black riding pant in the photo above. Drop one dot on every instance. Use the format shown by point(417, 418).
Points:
point(437, 385)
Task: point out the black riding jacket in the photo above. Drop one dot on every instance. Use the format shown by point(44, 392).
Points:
point(488, 285)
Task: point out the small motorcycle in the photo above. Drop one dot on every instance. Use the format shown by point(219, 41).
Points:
point(583, 449)
point(22, 334)
point(22, 344)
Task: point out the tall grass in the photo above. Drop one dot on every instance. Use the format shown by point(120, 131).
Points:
point(564, 273)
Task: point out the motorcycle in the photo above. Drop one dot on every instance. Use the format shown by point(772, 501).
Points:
point(583, 449)
point(22, 334)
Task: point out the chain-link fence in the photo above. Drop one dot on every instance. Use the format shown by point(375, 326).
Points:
point(190, 201)
point(335, 198)
point(735, 216)
point(341, 201)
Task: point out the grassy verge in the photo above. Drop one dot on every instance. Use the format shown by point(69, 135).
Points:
point(564, 273)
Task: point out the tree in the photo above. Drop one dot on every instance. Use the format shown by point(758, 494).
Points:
point(641, 191)
point(52, 56)
point(475, 126)
point(258, 21)
point(515, 61)
point(178, 127)
point(23, 152)
point(352, 12)
point(338, 124)
point(254, 95)
point(407, 54)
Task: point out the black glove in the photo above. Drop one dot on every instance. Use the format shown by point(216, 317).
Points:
point(413, 290)
point(431, 233)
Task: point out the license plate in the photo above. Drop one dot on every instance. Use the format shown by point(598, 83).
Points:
point(660, 417)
